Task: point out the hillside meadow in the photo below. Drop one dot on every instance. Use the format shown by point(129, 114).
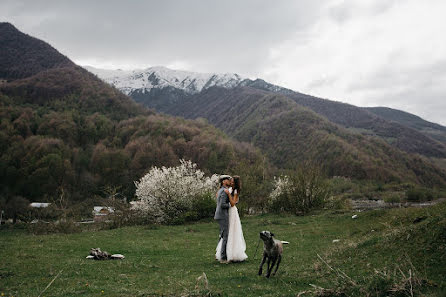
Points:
point(395, 252)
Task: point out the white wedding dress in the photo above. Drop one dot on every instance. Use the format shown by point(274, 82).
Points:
point(236, 246)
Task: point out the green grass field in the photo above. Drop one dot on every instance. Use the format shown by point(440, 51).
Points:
point(374, 250)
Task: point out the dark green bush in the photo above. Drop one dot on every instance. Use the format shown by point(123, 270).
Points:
point(393, 197)
point(203, 208)
point(62, 226)
point(340, 185)
point(50, 213)
point(306, 189)
point(419, 194)
point(17, 208)
point(338, 202)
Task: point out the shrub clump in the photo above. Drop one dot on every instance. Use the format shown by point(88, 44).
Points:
point(419, 194)
point(175, 194)
point(300, 192)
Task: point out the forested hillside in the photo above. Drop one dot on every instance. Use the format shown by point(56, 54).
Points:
point(432, 130)
point(290, 134)
point(64, 132)
point(399, 134)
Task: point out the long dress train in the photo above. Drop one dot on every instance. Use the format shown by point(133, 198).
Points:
point(236, 245)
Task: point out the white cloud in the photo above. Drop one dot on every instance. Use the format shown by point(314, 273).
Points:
point(364, 52)
point(370, 53)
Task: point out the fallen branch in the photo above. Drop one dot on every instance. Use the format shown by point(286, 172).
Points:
point(51, 282)
point(204, 279)
point(339, 272)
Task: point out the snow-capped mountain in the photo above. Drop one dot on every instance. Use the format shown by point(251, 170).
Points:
point(189, 94)
point(143, 81)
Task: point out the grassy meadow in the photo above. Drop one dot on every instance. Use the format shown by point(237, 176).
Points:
point(381, 253)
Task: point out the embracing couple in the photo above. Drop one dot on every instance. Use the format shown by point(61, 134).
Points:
point(232, 246)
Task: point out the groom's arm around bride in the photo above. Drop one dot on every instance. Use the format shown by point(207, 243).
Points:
point(222, 204)
point(221, 212)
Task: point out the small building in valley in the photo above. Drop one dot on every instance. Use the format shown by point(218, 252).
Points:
point(100, 213)
point(39, 204)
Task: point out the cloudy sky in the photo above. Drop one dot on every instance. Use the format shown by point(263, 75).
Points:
point(364, 52)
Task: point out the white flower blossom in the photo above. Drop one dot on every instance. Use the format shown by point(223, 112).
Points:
point(164, 193)
point(280, 185)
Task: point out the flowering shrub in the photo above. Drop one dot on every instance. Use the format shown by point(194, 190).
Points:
point(280, 185)
point(300, 192)
point(165, 194)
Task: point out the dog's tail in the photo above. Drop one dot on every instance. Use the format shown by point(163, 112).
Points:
point(284, 242)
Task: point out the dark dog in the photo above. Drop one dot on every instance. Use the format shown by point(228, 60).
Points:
point(272, 249)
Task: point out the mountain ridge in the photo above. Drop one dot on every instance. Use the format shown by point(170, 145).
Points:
point(434, 130)
point(22, 55)
point(358, 119)
point(159, 77)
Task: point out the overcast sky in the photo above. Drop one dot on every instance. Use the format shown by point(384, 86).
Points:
point(364, 52)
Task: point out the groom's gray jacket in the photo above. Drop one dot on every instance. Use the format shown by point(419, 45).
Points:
point(221, 212)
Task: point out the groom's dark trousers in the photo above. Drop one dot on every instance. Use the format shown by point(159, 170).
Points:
point(222, 217)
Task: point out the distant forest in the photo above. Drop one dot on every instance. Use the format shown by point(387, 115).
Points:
point(290, 134)
point(64, 131)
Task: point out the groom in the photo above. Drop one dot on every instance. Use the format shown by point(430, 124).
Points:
point(222, 215)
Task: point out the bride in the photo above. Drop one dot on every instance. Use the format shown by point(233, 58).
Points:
point(236, 246)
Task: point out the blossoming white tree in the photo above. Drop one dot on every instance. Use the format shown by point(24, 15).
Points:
point(164, 193)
